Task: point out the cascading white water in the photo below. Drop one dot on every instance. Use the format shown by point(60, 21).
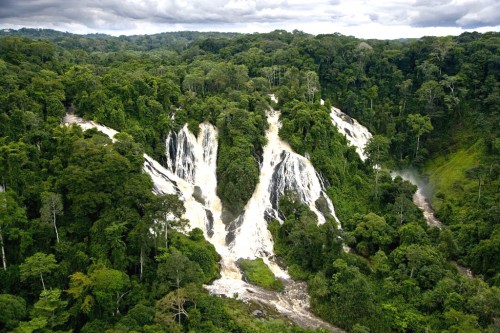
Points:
point(281, 170)
point(195, 160)
point(358, 136)
point(355, 133)
point(165, 181)
point(181, 155)
point(191, 174)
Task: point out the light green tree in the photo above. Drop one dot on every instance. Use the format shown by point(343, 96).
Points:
point(478, 173)
point(312, 84)
point(37, 265)
point(103, 286)
point(372, 94)
point(429, 93)
point(419, 125)
point(171, 306)
point(51, 307)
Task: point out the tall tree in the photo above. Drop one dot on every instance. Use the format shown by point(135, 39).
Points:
point(419, 125)
point(477, 173)
point(52, 206)
point(177, 271)
point(51, 308)
point(312, 85)
point(173, 301)
point(377, 151)
point(37, 265)
point(404, 90)
point(166, 210)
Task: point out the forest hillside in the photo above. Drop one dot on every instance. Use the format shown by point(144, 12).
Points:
point(87, 245)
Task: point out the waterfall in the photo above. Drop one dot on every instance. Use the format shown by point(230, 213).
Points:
point(194, 160)
point(355, 133)
point(191, 173)
point(358, 136)
point(281, 170)
point(165, 181)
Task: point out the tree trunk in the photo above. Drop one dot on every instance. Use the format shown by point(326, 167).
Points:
point(43, 283)
point(141, 260)
point(179, 307)
point(4, 258)
point(119, 298)
point(491, 171)
point(418, 145)
point(166, 233)
point(55, 225)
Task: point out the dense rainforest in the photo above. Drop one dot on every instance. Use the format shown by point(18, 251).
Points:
point(79, 224)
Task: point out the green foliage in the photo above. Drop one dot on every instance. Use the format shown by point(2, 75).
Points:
point(241, 137)
point(51, 308)
point(305, 245)
point(13, 310)
point(419, 125)
point(465, 198)
point(176, 270)
point(12, 220)
point(372, 234)
point(200, 251)
point(436, 98)
point(37, 265)
point(101, 291)
point(256, 272)
point(377, 150)
point(307, 128)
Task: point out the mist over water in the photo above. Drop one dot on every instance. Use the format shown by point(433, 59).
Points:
point(358, 136)
point(415, 178)
point(420, 198)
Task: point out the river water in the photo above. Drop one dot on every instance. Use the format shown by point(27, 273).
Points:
point(358, 136)
point(419, 198)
